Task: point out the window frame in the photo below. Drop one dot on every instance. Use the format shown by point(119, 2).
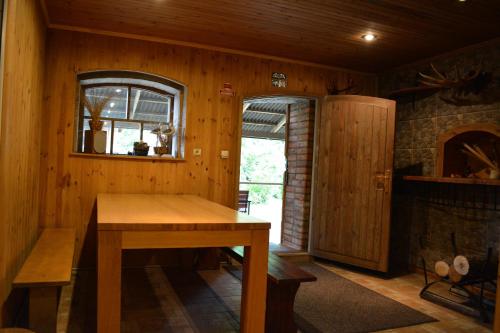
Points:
point(175, 116)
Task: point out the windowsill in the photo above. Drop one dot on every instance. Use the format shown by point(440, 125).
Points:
point(128, 157)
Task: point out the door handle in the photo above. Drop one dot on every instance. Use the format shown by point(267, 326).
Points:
point(388, 180)
point(384, 180)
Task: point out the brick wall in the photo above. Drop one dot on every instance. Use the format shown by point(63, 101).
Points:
point(421, 228)
point(298, 187)
point(421, 120)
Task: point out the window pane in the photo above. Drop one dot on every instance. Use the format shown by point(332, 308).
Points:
point(86, 127)
point(106, 127)
point(125, 135)
point(116, 107)
point(149, 106)
point(152, 138)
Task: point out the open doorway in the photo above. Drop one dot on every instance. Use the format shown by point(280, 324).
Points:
point(276, 166)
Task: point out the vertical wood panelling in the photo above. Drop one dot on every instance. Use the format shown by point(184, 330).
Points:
point(70, 184)
point(21, 114)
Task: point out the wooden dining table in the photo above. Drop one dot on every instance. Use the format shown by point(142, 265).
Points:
point(155, 221)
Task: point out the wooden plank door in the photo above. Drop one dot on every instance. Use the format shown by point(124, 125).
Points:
point(353, 180)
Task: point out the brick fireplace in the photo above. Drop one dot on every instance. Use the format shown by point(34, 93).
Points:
point(425, 215)
point(451, 159)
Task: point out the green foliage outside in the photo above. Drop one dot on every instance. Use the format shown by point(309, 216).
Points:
point(262, 161)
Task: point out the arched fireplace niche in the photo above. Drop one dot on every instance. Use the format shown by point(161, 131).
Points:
point(453, 162)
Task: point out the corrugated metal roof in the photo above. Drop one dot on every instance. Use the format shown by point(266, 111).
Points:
point(260, 120)
point(148, 106)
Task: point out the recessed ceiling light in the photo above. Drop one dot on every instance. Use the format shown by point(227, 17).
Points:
point(369, 37)
point(118, 90)
point(112, 104)
point(462, 0)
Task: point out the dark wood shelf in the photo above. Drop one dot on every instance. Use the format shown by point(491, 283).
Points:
point(127, 157)
point(450, 180)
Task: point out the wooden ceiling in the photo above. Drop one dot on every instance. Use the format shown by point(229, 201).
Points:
point(323, 32)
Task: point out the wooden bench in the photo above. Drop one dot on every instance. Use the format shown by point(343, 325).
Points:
point(45, 271)
point(283, 282)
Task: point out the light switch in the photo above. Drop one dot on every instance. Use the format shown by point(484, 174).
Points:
point(197, 152)
point(224, 154)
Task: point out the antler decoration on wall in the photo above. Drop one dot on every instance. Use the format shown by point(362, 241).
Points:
point(350, 89)
point(460, 81)
point(459, 85)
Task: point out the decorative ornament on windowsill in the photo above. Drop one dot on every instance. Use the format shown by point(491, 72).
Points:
point(141, 148)
point(95, 138)
point(163, 132)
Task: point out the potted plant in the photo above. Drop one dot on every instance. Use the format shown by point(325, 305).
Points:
point(95, 138)
point(163, 132)
point(141, 148)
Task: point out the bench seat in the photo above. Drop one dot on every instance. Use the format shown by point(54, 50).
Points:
point(47, 268)
point(283, 282)
point(51, 260)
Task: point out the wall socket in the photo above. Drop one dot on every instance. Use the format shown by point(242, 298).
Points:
point(197, 152)
point(224, 154)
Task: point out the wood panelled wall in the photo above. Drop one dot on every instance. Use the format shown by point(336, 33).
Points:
point(70, 184)
point(20, 134)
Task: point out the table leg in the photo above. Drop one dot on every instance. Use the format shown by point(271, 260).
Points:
point(109, 264)
point(253, 300)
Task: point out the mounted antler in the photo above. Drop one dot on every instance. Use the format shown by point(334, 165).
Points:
point(350, 89)
point(462, 87)
point(441, 81)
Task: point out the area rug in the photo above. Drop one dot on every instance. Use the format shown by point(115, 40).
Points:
point(336, 304)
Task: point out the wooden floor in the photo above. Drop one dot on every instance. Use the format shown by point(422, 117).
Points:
point(152, 306)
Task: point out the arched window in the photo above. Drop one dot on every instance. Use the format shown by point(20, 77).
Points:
point(135, 107)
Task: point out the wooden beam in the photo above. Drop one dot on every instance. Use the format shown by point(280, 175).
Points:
point(263, 135)
point(200, 46)
point(245, 107)
point(136, 102)
point(265, 112)
point(126, 98)
point(258, 123)
point(279, 125)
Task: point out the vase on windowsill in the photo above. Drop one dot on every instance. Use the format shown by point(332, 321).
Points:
point(95, 138)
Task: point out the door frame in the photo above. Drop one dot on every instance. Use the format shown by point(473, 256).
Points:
point(236, 180)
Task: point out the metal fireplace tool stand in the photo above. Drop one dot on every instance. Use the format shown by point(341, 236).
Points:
point(476, 305)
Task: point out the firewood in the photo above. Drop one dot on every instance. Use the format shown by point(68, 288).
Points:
point(441, 268)
point(483, 174)
point(481, 152)
point(461, 265)
point(454, 276)
point(478, 154)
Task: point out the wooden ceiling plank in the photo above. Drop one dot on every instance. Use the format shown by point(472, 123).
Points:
point(313, 31)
